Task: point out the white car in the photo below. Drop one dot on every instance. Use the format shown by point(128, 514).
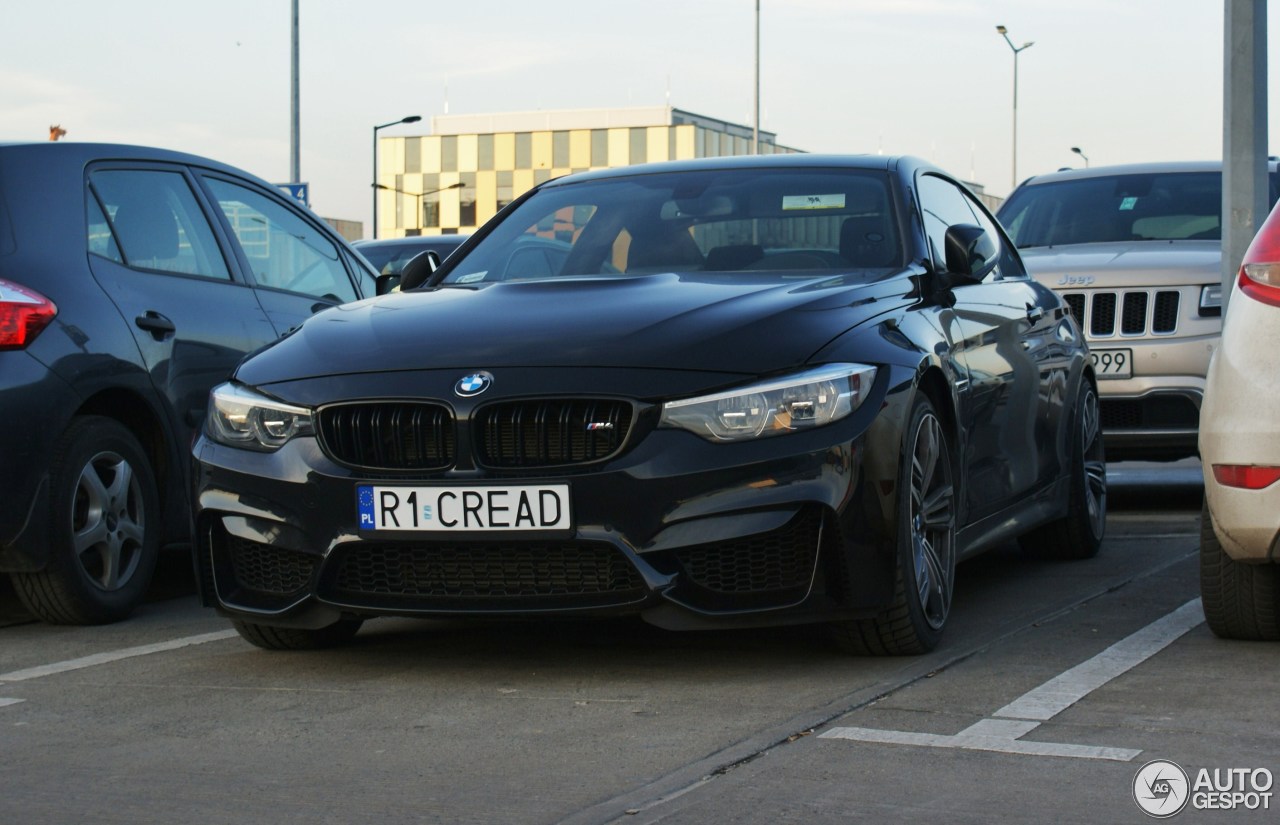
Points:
point(1240, 453)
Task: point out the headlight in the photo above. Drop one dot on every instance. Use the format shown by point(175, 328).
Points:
point(240, 417)
point(783, 405)
point(1211, 300)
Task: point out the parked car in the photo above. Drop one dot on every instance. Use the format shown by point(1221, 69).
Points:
point(131, 281)
point(1240, 454)
point(389, 255)
point(1135, 251)
point(755, 390)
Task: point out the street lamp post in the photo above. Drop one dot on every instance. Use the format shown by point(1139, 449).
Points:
point(1078, 151)
point(376, 185)
point(1016, 49)
point(418, 195)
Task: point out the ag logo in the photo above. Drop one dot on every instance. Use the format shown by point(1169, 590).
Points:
point(1161, 789)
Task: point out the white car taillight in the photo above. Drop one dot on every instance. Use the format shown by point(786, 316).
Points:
point(1260, 271)
point(24, 313)
point(1245, 476)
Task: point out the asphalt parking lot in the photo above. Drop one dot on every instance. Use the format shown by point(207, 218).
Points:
point(1055, 684)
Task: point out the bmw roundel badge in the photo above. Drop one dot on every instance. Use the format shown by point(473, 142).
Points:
point(473, 384)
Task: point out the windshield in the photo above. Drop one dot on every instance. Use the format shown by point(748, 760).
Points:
point(811, 220)
point(1152, 207)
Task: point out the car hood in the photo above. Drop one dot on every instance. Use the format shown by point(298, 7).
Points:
point(1117, 265)
point(750, 324)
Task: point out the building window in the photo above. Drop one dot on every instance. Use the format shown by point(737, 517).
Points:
point(639, 145)
point(505, 190)
point(413, 155)
point(449, 153)
point(524, 150)
point(484, 152)
point(560, 149)
point(599, 147)
point(467, 200)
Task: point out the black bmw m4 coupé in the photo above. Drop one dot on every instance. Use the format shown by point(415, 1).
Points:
point(714, 393)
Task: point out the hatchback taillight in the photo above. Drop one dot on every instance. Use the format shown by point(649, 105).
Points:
point(1260, 271)
point(1246, 476)
point(23, 314)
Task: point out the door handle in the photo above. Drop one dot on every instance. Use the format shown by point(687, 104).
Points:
point(1034, 313)
point(156, 324)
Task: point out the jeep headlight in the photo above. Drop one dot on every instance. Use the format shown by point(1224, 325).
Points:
point(240, 417)
point(802, 401)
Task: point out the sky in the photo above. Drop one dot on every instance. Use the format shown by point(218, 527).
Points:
point(1124, 80)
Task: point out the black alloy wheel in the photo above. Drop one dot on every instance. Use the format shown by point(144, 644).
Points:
point(105, 521)
point(925, 580)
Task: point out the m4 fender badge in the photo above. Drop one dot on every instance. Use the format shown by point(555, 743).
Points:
point(473, 384)
point(599, 425)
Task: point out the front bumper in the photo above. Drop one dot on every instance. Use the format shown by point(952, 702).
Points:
point(1155, 414)
point(682, 531)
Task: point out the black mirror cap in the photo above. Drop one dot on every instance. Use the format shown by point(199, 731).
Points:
point(387, 283)
point(419, 269)
point(971, 252)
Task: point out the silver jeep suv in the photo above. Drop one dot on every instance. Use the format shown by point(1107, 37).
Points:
point(1135, 252)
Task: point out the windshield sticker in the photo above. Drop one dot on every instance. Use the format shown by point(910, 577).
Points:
point(472, 277)
point(1127, 204)
point(790, 202)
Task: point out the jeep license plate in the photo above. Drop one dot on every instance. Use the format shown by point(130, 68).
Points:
point(1112, 363)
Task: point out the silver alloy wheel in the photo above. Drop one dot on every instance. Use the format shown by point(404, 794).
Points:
point(932, 521)
point(108, 521)
point(1095, 466)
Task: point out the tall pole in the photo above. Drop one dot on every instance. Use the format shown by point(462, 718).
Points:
point(1016, 49)
point(755, 127)
point(295, 160)
point(1244, 139)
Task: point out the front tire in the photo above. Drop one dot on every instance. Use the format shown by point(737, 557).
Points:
point(925, 577)
point(104, 528)
point(1241, 601)
point(268, 637)
point(1078, 535)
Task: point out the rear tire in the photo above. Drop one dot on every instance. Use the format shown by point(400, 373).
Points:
point(268, 637)
point(104, 528)
point(1078, 535)
point(925, 578)
point(1241, 601)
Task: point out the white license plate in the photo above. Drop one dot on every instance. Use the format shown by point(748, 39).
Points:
point(464, 509)
point(1112, 363)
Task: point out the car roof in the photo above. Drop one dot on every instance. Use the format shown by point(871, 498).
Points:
point(799, 160)
point(1149, 168)
point(74, 152)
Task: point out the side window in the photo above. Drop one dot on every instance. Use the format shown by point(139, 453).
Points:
point(149, 219)
point(1010, 265)
point(943, 206)
point(101, 241)
point(284, 250)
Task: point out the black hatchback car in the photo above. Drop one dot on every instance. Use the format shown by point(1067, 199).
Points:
point(131, 281)
point(755, 390)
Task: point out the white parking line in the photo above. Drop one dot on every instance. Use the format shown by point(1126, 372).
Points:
point(112, 656)
point(4, 702)
point(1024, 714)
point(1061, 692)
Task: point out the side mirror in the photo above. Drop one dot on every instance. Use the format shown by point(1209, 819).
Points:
point(971, 252)
point(419, 269)
point(387, 282)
